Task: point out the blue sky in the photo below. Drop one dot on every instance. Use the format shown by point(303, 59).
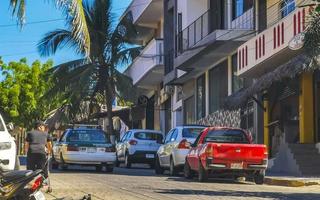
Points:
point(16, 44)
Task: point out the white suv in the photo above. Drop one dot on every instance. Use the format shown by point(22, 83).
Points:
point(8, 149)
point(139, 146)
point(172, 154)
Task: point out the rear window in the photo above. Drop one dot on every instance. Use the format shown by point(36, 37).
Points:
point(191, 132)
point(1, 125)
point(227, 136)
point(92, 136)
point(148, 136)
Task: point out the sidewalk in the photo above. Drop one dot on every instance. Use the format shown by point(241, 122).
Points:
point(291, 181)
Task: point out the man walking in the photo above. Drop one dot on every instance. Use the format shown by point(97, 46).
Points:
point(37, 146)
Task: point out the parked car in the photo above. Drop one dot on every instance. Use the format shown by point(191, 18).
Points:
point(8, 148)
point(84, 146)
point(138, 146)
point(226, 152)
point(172, 154)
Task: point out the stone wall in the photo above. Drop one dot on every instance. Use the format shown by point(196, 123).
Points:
point(229, 118)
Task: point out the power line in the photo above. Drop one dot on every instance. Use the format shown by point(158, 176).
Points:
point(30, 23)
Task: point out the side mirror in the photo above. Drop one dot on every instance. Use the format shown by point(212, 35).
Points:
point(10, 127)
point(55, 139)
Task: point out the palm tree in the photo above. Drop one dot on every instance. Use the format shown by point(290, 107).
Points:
point(83, 79)
point(73, 11)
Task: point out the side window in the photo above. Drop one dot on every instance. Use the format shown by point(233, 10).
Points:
point(197, 140)
point(174, 135)
point(63, 136)
point(168, 137)
point(129, 135)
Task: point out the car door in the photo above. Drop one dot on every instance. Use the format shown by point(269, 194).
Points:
point(121, 146)
point(171, 145)
point(193, 154)
point(163, 150)
point(58, 147)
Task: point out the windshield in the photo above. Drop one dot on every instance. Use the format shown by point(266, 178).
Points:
point(191, 132)
point(2, 126)
point(92, 136)
point(148, 136)
point(227, 136)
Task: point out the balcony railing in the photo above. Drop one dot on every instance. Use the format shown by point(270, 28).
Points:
point(150, 57)
point(208, 23)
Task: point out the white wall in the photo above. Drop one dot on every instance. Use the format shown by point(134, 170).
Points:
point(191, 10)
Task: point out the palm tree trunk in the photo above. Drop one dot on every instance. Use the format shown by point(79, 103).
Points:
point(109, 98)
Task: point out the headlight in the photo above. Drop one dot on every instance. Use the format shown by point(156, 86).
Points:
point(5, 145)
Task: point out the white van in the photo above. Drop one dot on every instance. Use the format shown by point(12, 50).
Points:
point(8, 149)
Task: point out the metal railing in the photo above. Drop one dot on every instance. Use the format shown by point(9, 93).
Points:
point(207, 23)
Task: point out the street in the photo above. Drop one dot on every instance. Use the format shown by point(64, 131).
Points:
point(141, 183)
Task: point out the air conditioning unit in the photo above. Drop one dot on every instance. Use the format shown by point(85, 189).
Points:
point(169, 90)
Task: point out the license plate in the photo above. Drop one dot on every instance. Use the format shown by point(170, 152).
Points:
point(236, 166)
point(149, 155)
point(39, 196)
point(91, 150)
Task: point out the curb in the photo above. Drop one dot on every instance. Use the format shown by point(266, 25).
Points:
point(290, 183)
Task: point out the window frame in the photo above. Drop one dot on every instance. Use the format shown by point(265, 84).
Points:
point(201, 80)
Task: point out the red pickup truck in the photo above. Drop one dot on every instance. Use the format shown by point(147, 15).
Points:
point(223, 152)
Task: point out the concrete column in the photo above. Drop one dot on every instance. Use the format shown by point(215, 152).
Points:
point(266, 122)
point(306, 109)
point(207, 93)
point(229, 75)
point(229, 13)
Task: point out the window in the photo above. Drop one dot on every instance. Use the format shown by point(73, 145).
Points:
point(148, 136)
point(191, 132)
point(227, 136)
point(174, 135)
point(92, 136)
point(188, 109)
point(247, 119)
point(201, 97)
point(237, 82)
point(286, 7)
point(168, 137)
point(240, 6)
point(218, 86)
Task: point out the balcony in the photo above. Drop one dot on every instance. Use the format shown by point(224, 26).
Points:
point(146, 13)
point(147, 69)
point(269, 49)
point(207, 41)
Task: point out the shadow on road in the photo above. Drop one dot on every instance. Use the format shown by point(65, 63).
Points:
point(211, 180)
point(230, 193)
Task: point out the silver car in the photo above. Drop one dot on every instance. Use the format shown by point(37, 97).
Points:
point(171, 155)
point(138, 146)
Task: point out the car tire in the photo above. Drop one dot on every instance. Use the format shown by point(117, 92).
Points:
point(173, 171)
point(117, 163)
point(127, 162)
point(259, 178)
point(188, 173)
point(17, 164)
point(63, 165)
point(109, 169)
point(99, 168)
point(202, 173)
point(158, 169)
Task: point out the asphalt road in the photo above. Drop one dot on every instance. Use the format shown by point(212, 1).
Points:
point(141, 183)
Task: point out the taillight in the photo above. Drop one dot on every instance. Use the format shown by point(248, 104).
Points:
point(266, 153)
point(133, 142)
point(36, 184)
point(72, 148)
point(110, 149)
point(209, 151)
point(184, 144)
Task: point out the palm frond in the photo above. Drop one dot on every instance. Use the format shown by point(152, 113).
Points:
point(54, 40)
point(75, 12)
point(312, 36)
point(18, 9)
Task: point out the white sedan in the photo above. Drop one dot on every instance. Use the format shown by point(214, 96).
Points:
point(83, 146)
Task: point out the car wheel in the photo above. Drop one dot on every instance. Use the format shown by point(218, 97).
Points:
point(127, 162)
point(63, 165)
point(117, 163)
point(259, 178)
point(109, 169)
point(98, 168)
point(17, 164)
point(188, 173)
point(158, 169)
point(203, 174)
point(173, 170)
